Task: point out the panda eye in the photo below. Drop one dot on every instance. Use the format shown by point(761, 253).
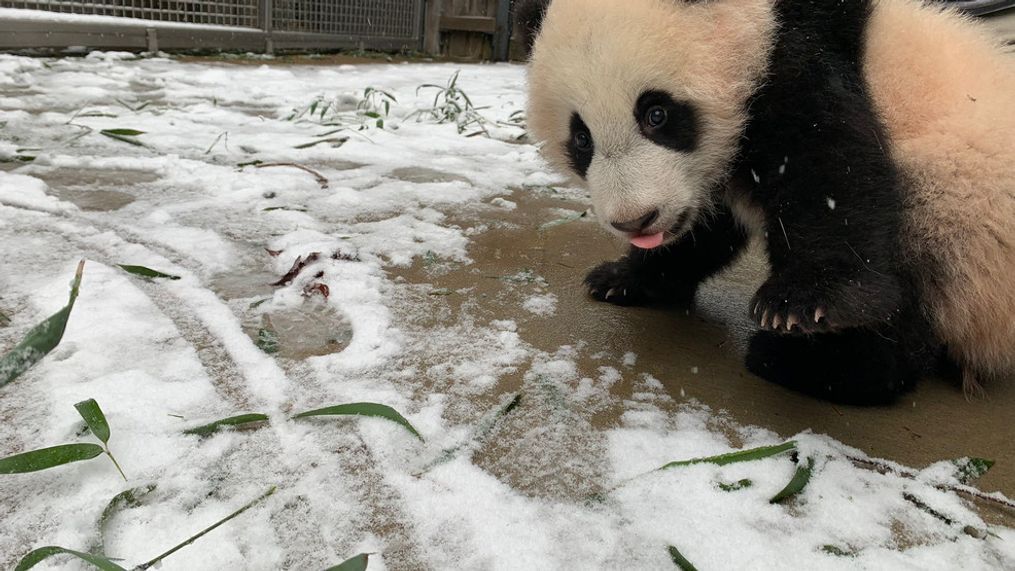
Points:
point(582, 141)
point(656, 117)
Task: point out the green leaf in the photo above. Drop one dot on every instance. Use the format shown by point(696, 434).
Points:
point(967, 470)
point(267, 341)
point(363, 409)
point(146, 272)
point(126, 499)
point(119, 136)
point(205, 531)
point(42, 339)
point(38, 555)
point(96, 421)
point(358, 563)
point(679, 560)
point(735, 457)
point(483, 429)
point(122, 132)
point(736, 486)
point(232, 422)
point(800, 480)
point(45, 458)
point(4, 320)
point(837, 551)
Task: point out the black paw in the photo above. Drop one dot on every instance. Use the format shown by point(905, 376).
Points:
point(802, 305)
point(624, 283)
point(617, 283)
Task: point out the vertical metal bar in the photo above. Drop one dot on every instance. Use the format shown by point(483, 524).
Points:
point(267, 24)
point(502, 34)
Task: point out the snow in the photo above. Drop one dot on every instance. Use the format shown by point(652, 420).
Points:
point(550, 485)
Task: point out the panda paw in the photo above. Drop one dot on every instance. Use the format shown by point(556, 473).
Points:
point(803, 306)
point(625, 283)
point(617, 283)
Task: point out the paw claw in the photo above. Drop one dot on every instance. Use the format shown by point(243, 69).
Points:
point(792, 321)
point(612, 292)
point(776, 321)
point(819, 314)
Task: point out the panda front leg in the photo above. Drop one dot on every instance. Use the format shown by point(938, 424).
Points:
point(671, 274)
point(834, 253)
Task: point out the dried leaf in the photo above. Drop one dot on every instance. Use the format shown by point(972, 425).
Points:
point(297, 267)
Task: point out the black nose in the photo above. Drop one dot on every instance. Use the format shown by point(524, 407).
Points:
point(635, 226)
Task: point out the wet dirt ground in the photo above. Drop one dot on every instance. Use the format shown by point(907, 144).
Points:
point(699, 354)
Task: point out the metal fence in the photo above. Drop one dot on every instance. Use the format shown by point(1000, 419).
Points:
point(240, 24)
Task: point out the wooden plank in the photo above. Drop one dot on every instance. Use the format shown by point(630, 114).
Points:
point(479, 24)
point(432, 27)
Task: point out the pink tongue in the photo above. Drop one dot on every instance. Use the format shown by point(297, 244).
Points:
point(648, 242)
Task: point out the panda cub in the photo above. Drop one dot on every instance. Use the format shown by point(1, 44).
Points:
point(870, 143)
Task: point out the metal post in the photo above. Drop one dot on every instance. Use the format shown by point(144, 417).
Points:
point(502, 36)
point(266, 7)
point(152, 40)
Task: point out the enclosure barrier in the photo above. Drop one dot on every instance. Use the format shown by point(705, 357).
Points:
point(251, 25)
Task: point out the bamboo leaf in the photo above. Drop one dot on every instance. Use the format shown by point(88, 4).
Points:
point(205, 531)
point(42, 553)
point(967, 470)
point(94, 418)
point(735, 457)
point(736, 486)
point(122, 132)
point(42, 339)
point(146, 272)
point(239, 421)
point(679, 560)
point(483, 429)
point(363, 409)
point(126, 499)
point(267, 341)
point(46, 458)
point(114, 134)
point(358, 563)
point(800, 480)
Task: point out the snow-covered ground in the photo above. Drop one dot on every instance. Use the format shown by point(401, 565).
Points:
point(540, 485)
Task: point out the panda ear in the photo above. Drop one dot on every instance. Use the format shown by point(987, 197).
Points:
point(528, 21)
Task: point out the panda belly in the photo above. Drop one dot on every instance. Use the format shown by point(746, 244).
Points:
point(946, 93)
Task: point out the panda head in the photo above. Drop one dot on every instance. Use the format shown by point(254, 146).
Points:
point(644, 101)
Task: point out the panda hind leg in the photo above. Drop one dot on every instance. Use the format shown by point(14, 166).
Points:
point(858, 366)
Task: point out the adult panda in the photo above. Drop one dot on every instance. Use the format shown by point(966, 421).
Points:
point(871, 143)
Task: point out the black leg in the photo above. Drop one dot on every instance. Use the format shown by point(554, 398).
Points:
point(818, 162)
point(670, 275)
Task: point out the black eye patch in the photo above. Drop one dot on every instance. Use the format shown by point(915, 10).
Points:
point(666, 121)
point(580, 146)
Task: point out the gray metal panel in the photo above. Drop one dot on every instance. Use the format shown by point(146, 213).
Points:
point(242, 13)
point(255, 25)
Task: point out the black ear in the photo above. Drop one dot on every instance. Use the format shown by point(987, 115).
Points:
point(528, 20)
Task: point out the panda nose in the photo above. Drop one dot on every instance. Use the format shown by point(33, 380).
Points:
point(636, 226)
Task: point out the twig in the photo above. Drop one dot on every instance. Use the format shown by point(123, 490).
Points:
point(155, 561)
point(321, 180)
point(960, 489)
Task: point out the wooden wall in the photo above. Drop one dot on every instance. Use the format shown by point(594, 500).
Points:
point(465, 29)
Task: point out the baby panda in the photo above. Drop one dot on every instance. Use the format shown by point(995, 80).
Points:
point(869, 143)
